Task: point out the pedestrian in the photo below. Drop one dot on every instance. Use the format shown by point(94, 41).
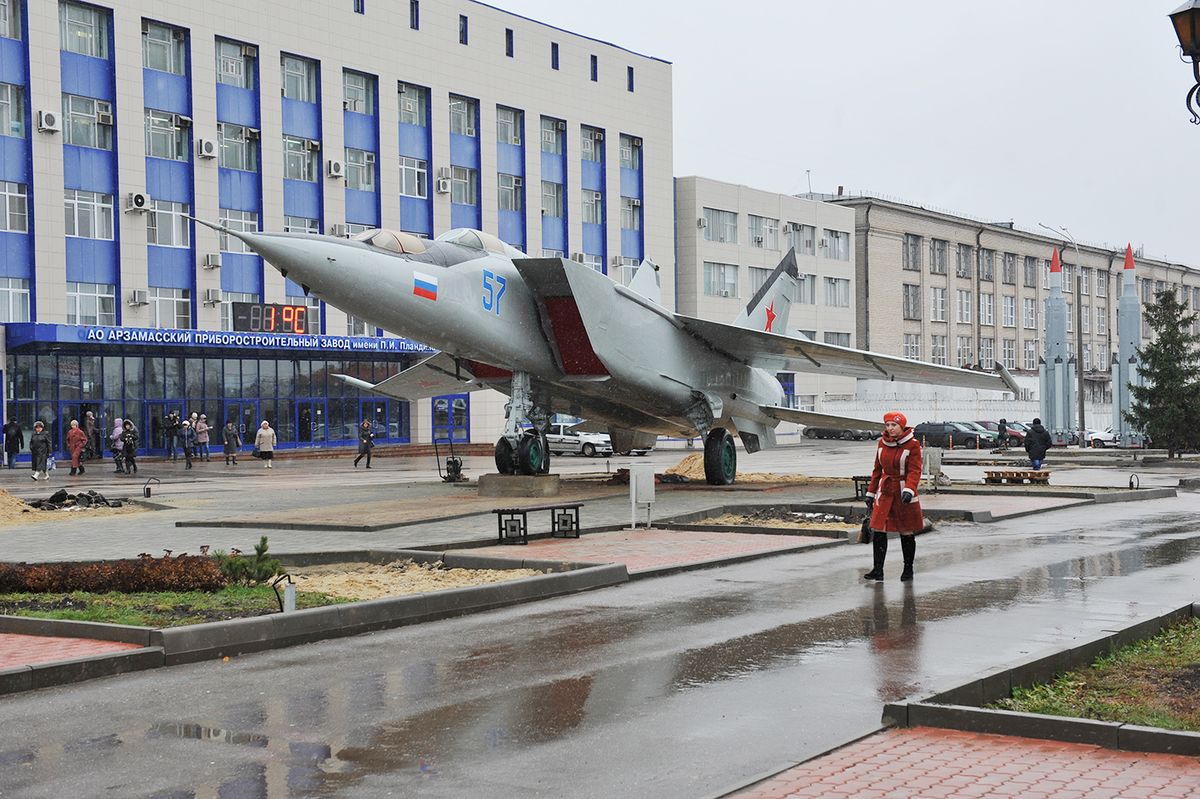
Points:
point(14, 441)
point(39, 451)
point(1037, 442)
point(202, 435)
point(1002, 434)
point(232, 440)
point(170, 430)
point(77, 440)
point(129, 445)
point(187, 441)
point(264, 442)
point(115, 446)
point(366, 443)
point(892, 494)
point(91, 429)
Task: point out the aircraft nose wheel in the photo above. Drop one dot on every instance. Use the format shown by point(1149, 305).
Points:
point(720, 457)
point(532, 455)
point(505, 463)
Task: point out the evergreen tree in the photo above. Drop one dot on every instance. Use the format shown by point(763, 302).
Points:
point(1167, 406)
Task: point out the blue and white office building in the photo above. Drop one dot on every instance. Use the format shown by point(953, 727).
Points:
point(120, 120)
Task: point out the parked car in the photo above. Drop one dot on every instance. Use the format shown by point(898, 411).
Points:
point(976, 427)
point(939, 434)
point(1016, 435)
point(843, 433)
point(1101, 438)
point(563, 439)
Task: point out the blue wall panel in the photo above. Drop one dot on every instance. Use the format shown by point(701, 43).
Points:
point(464, 150)
point(241, 272)
point(554, 234)
point(416, 215)
point(165, 91)
point(591, 176)
point(169, 180)
point(16, 255)
point(510, 159)
point(14, 159)
point(593, 238)
point(414, 141)
point(171, 267)
point(302, 198)
point(361, 131)
point(291, 288)
point(631, 183)
point(512, 228)
point(301, 119)
point(237, 105)
point(631, 243)
point(554, 168)
point(238, 190)
point(90, 169)
point(464, 216)
point(12, 61)
point(87, 77)
point(362, 207)
point(93, 261)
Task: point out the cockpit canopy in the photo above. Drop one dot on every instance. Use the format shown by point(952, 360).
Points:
point(393, 241)
point(478, 240)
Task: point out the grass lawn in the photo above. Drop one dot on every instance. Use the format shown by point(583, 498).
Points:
point(1155, 683)
point(159, 609)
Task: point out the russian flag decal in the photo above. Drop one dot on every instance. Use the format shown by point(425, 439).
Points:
point(425, 285)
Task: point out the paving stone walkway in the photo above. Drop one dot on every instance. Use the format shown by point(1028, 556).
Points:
point(29, 650)
point(924, 762)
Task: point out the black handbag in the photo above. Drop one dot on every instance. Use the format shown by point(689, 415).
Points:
point(864, 533)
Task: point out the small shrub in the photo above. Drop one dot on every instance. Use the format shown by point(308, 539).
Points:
point(245, 570)
point(146, 573)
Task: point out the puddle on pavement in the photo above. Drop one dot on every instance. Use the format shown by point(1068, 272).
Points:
point(198, 732)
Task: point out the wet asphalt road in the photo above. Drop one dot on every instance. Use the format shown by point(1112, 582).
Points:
point(683, 686)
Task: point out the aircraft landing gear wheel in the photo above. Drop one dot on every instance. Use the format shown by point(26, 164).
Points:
point(531, 455)
point(589, 450)
point(720, 457)
point(504, 456)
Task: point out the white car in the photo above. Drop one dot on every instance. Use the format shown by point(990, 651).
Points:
point(562, 439)
point(1101, 438)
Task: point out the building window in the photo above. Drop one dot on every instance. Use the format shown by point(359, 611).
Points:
point(626, 269)
point(89, 214)
point(758, 276)
point(359, 327)
point(354, 228)
point(937, 304)
point(87, 122)
point(1085, 280)
point(237, 148)
point(964, 307)
point(551, 253)
point(1147, 291)
point(836, 244)
point(165, 137)
point(911, 253)
point(235, 63)
point(1031, 356)
point(1008, 353)
point(300, 224)
point(414, 177)
point(912, 346)
point(1068, 278)
point(167, 224)
point(463, 113)
point(360, 6)
point(962, 351)
point(591, 143)
point(593, 207)
point(911, 301)
point(837, 292)
point(172, 308)
point(242, 221)
point(414, 105)
point(631, 152)
point(837, 339)
point(14, 299)
point(300, 159)
point(629, 79)
point(228, 298)
point(1070, 319)
point(91, 304)
point(1031, 271)
point(1008, 311)
point(720, 225)
point(987, 352)
point(462, 29)
point(299, 78)
point(1009, 269)
point(358, 92)
point(937, 256)
point(1101, 284)
point(83, 30)
point(414, 14)
point(10, 19)
point(510, 123)
point(14, 207)
point(592, 261)
point(12, 110)
point(987, 265)
point(360, 169)
point(313, 317)
point(986, 309)
point(1085, 318)
point(764, 232)
point(963, 265)
point(553, 55)
point(631, 213)
point(1101, 319)
point(801, 237)
point(510, 192)
point(1029, 313)
point(806, 290)
point(508, 42)
point(553, 135)
point(464, 185)
point(595, 68)
point(162, 48)
point(552, 199)
point(937, 350)
point(720, 280)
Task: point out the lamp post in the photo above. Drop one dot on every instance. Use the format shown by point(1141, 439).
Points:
point(1078, 326)
point(1186, 21)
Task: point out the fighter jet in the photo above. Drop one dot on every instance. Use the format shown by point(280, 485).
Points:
point(559, 337)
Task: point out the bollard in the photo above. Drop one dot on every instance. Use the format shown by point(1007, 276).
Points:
point(977, 442)
point(951, 441)
point(289, 597)
point(146, 487)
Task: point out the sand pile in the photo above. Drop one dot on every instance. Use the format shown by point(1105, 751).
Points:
point(692, 467)
point(12, 508)
point(373, 581)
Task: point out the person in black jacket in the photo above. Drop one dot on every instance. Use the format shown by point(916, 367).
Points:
point(170, 432)
point(366, 443)
point(1037, 441)
point(129, 445)
point(14, 441)
point(39, 451)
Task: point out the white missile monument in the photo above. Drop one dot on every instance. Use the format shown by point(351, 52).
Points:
point(1056, 371)
point(1125, 364)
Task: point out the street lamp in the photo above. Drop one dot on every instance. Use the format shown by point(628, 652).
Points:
point(1186, 20)
point(1079, 385)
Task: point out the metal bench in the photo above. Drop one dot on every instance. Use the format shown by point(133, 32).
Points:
point(1019, 477)
point(512, 524)
point(861, 482)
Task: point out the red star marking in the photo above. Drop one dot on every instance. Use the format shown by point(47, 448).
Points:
point(770, 317)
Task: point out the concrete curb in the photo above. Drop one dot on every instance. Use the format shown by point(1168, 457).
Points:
point(960, 707)
point(731, 560)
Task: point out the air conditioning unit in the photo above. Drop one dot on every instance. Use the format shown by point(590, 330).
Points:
point(206, 148)
point(616, 260)
point(758, 239)
point(104, 118)
point(790, 227)
point(637, 142)
point(442, 186)
point(212, 260)
point(560, 124)
point(596, 195)
point(139, 297)
point(183, 121)
point(469, 131)
point(701, 222)
point(249, 51)
point(518, 183)
point(370, 159)
point(724, 292)
point(340, 231)
point(335, 168)
point(348, 105)
point(212, 296)
point(48, 122)
point(636, 203)
point(253, 134)
point(598, 135)
point(577, 256)
point(312, 145)
point(137, 202)
point(444, 172)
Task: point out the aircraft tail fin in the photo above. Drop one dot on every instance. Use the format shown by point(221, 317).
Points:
point(768, 309)
point(645, 281)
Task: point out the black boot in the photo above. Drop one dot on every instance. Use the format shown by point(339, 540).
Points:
point(879, 552)
point(908, 545)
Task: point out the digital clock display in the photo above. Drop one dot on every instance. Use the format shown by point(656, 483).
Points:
point(257, 317)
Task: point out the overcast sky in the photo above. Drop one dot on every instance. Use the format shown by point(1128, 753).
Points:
point(1065, 112)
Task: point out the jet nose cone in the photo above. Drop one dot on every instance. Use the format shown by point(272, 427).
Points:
point(304, 260)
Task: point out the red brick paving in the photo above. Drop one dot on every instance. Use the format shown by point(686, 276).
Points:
point(643, 550)
point(925, 762)
point(28, 650)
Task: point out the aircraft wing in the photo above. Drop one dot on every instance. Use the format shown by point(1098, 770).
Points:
point(812, 418)
point(438, 374)
point(785, 353)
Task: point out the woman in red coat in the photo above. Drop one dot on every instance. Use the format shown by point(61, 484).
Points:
point(892, 494)
point(77, 439)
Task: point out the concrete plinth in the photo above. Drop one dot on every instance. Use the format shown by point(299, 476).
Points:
point(518, 485)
